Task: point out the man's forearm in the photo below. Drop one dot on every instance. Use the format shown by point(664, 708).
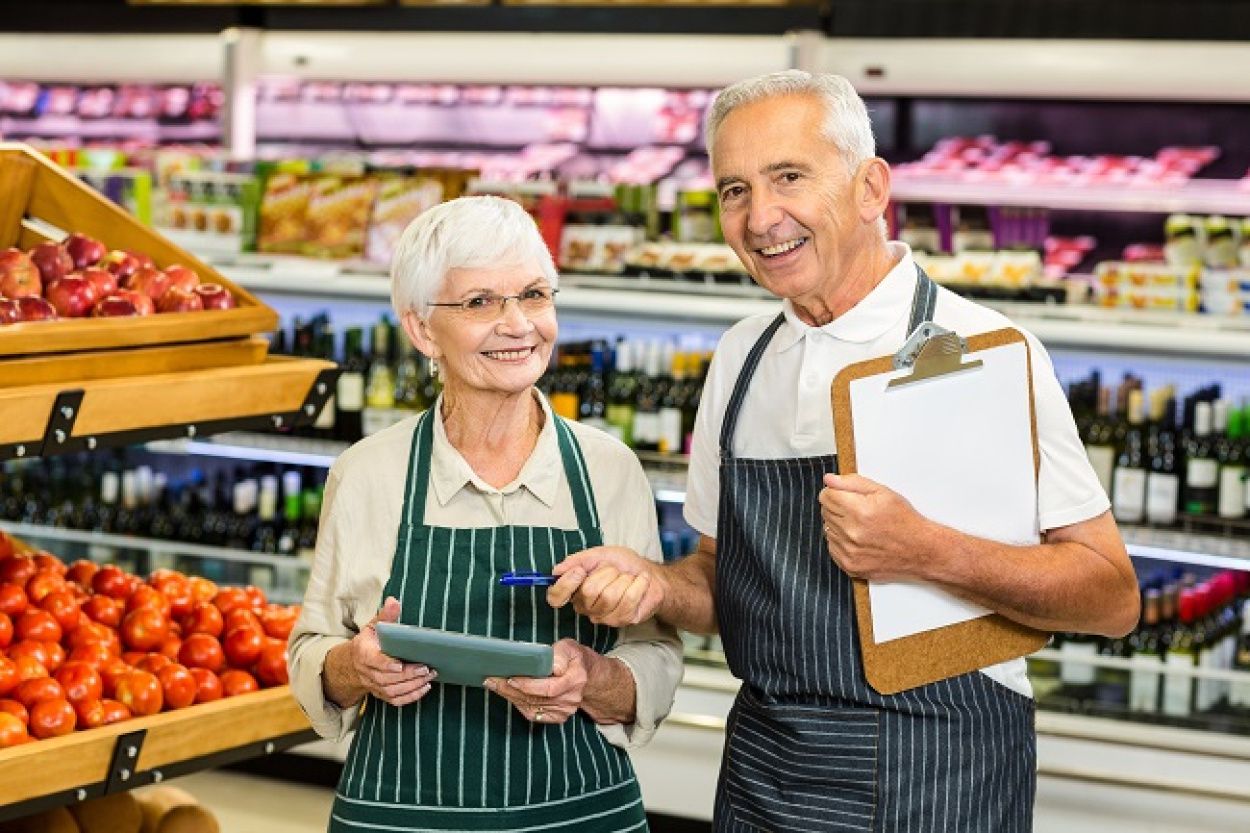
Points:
point(689, 591)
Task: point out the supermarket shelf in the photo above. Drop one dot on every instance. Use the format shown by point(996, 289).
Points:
point(1201, 196)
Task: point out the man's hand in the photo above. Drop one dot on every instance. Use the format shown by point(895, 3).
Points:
point(370, 670)
point(872, 532)
point(612, 586)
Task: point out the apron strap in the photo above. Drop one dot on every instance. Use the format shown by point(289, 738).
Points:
point(923, 303)
point(575, 471)
point(578, 476)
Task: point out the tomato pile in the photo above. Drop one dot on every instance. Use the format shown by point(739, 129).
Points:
point(84, 645)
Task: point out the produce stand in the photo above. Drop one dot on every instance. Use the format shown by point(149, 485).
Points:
point(140, 751)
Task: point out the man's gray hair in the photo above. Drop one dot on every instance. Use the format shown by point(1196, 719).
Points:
point(846, 124)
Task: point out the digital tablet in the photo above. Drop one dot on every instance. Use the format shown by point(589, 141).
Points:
point(464, 659)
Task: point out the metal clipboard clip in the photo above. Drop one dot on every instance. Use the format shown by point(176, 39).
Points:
point(931, 351)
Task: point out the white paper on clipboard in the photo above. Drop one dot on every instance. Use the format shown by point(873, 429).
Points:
point(959, 447)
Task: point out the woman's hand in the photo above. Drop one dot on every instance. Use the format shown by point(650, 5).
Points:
point(359, 667)
point(551, 699)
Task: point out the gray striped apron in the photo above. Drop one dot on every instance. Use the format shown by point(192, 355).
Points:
point(461, 758)
point(810, 747)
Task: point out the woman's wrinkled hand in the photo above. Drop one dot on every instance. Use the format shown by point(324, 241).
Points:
point(385, 677)
point(551, 699)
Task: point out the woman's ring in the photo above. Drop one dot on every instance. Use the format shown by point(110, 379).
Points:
point(826, 528)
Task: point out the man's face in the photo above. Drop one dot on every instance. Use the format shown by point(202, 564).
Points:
point(787, 200)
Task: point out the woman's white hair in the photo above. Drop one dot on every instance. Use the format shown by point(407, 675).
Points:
point(846, 124)
point(464, 233)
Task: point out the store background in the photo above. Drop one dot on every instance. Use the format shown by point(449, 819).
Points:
point(1091, 77)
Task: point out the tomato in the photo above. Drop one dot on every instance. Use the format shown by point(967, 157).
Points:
point(144, 628)
point(103, 609)
point(257, 598)
point(111, 672)
point(174, 587)
point(6, 545)
point(31, 692)
point(56, 656)
point(8, 676)
point(228, 598)
point(199, 650)
point(153, 662)
point(114, 711)
point(279, 620)
point(207, 685)
point(140, 692)
point(28, 668)
point(241, 617)
point(12, 731)
point(145, 595)
point(202, 590)
point(178, 686)
point(37, 624)
point(94, 654)
point(80, 681)
point(35, 650)
point(81, 572)
point(170, 646)
point(13, 600)
point(91, 713)
point(89, 633)
point(42, 583)
point(242, 647)
point(63, 607)
point(16, 709)
point(204, 618)
point(271, 668)
point(6, 631)
point(45, 560)
point(236, 681)
point(17, 570)
point(111, 580)
point(52, 718)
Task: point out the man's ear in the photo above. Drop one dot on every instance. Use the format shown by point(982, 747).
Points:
point(418, 331)
point(873, 189)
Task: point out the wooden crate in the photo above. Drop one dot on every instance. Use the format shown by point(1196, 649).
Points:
point(40, 201)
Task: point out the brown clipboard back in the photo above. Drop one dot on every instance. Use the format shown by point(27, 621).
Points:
point(912, 661)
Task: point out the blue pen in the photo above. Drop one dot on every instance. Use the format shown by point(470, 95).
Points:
point(527, 579)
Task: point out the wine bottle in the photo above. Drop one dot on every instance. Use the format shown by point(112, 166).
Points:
point(623, 391)
point(1098, 441)
point(1201, 467)
point(350, 392)
point(1128, 495)
point(1147, 648)
point(1181, 656)
point(1239, 696)
point(1163, 482)
point(1230, 453)
point(379, 407)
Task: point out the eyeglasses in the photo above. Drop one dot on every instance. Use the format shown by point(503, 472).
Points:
point(486, 308)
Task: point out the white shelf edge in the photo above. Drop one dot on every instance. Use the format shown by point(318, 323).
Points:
point(1201, 196)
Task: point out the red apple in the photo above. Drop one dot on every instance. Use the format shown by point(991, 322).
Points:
point(113, 306)
point(121, 264)
point(36, 309)
point(215, 296)
point(144, 259)
point(178, 299)
point(19, 276)
point(10, 311)
point(143, 303)
point(83, 250)
point(104, 281)
point(53, 261)
point(73, 296)
point(182, 276)
point(148, 280)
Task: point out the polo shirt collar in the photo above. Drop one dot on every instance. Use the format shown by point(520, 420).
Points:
point(868, 320)
point(541, 474)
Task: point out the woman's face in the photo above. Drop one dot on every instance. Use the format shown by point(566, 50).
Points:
point(508, 352)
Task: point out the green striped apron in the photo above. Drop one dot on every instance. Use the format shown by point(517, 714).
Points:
point(462, 758)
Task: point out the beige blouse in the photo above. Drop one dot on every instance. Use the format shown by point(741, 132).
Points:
point(360, 520)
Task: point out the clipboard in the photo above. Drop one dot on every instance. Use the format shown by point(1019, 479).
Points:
point(977, 396)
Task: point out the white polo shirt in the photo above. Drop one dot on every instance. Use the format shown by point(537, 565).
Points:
point(787, 410)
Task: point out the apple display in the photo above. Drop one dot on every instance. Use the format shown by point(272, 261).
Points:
point(53, 261)
point(178, 299)
point(121, 264)
point(215, 296)
point(182, 276)
point(142, 302)
point(148, 280)
point(83, 250)
point(36, 309)
point(104, 281)
point(114, 306)
point(144, 259)
point(19, 277)
point(72, 296)
point(10, 311)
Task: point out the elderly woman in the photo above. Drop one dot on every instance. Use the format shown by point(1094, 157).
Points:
point(419, 523)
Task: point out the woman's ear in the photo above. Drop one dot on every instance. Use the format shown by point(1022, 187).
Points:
point(418, 330)
point(873, 189)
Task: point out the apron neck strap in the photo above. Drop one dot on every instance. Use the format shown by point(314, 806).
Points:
point(923, 303)
point(575, 472)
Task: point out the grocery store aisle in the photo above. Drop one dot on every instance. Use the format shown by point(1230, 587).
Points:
point(247, 803)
